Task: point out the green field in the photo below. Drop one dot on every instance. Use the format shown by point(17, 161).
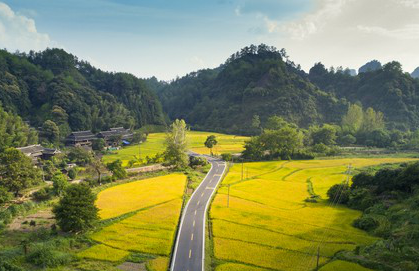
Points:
point(146, 212)
point(155, 144)
point(270, 226)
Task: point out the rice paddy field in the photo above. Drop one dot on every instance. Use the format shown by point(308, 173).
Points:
point(155, 144)
point(269, 225)
point(143, 217)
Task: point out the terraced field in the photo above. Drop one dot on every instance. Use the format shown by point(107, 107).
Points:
point(155, 144)
point(146, 214)
point(269, 225)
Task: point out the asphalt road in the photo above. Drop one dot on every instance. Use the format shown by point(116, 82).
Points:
point(189, 250)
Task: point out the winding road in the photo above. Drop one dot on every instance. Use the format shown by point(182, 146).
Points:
point(189, 250)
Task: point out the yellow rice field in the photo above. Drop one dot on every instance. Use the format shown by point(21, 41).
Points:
point(269, 225)
point(155, 144)
point(122, 199)
point(152, 208)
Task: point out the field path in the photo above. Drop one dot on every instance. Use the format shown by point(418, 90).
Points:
point(190, 242)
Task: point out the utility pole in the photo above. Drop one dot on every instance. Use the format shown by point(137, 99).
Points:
point(228, 196)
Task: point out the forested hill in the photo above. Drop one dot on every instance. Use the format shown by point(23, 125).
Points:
point(387, 89)
point(257, 81)
point(261, 81)
point(54, 85)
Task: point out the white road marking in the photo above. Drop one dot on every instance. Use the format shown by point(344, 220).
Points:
point(195, 212)
point(190, 253)
point(192, 237)
point(202, 194)
point(193, 223)
point(197, 202)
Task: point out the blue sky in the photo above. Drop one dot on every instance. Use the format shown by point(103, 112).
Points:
point(169, 38)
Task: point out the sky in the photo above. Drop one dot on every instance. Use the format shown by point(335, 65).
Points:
point(170, 38)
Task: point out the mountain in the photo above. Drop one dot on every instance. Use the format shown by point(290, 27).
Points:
point(258, 80)
point(389, 90)
point(55, 85)
point(415, 73)
point(370, 66)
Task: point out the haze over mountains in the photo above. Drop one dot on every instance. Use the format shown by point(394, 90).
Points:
point(256, 81)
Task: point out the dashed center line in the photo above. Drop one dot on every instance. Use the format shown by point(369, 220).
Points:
point(193, 223)
point(192, 237)
point(197, 202)
point(190, 253)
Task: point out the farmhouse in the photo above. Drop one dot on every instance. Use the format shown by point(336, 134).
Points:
point(80, 139)
point(114, 135)
point(36, 152)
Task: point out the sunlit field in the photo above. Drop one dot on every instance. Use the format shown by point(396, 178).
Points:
point(269, 225)
point(150, 212)
point(155, 144)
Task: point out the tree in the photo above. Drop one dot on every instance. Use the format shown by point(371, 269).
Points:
point(99, 168)
point(51, 131)
point(76, 210)
point(117, 170)
point(176, 145)
point(79, 156)
point(253, 149)
point(339, 193)
point(17, 171)
point(210, 142)
point(353, 120)
point(372, 120)
point(256, 122)
point(98, 144)
point(276, 123)
point(283, 142)
point(59, 183)
point(323, 135)
point(5, 196)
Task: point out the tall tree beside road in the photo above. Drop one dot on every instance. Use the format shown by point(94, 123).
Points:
point(211, 142)
point(176, 145)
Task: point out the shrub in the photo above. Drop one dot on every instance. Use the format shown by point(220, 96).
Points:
point(116, 167)
point(5, 266)
point(43, 194)
point(339, 193)
point(43, 256)
point(226, 157)
point(59, 183)
point(72, 174)
point(366, 223)
point(197, 161)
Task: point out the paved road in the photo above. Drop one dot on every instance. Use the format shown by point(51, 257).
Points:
point(190, 243)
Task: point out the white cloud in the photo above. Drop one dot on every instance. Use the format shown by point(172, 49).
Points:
point(199, 62)
point(18, 32)
point(408, 32)
point(349, 33)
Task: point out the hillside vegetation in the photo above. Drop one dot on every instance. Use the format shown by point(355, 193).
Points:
point(54, 85)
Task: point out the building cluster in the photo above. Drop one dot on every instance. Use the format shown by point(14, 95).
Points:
point(113, 137)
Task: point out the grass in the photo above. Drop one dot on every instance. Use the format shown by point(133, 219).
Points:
point(104, 253)
point(155, 144)
point(158, 264)
point(269, 225)
point(343, 266)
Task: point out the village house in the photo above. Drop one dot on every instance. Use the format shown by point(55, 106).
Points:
point(115, 135)
point(80, 139)
point(37, 153)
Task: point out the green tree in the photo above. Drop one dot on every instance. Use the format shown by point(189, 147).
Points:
point(79, 156)
point(50, 131)
point(253, 149)
point(176, 145)
point(283, 142)
point(276, 123)
point(353, 120)
point(210, 142)
point(372, 120)
point(117, 170)
point(256, 122)
point(59, 183)
point(76, 210)
point(17, 171)
point(323, 135)
point(5, 195)
point(98, 144)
